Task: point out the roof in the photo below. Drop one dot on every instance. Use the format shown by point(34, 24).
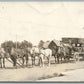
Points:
point(57, 42)
point(70, 40)
point(46, 44)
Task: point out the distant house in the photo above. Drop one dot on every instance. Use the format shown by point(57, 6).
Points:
point(53, 45)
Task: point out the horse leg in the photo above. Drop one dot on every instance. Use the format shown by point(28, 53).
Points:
point(4, 62)
point(32, 61)
point(26, 61)
point(12, 58)
point(74, 58)
point(39, 61)
point(61, 59)
point(68, 59)
point(23, 61)
point(48, 61)
point(78, 58)
point(55, 59)
point(0, 62)
point(43, 62)
point(14, 62)
point(64, 59)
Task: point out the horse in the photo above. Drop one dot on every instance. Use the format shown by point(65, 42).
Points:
point(58, 53)
point(62, 52)
point(16, 54)
point(45, 53)
point(34, 53)
point(23, 54)
point(3, 56)
point(27, 55)
point(2, 60)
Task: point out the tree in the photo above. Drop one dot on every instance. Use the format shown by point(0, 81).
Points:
point(17, 44)
point(7, 45)
point(30, 45)
point(40, 45)
point(25, 44)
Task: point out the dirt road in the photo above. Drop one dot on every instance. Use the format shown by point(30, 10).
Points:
point(36, 73)
point(70, 76)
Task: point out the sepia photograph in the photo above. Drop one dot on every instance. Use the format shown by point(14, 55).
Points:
point(41, 41)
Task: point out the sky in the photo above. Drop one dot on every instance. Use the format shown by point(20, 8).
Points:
point(35, 21)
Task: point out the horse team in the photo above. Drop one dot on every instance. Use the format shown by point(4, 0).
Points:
point(41, 53)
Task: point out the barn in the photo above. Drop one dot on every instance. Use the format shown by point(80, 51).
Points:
point(53, 45)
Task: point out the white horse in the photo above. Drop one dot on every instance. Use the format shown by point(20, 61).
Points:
point(34, 53)
point(45, 53)
point(34, 50)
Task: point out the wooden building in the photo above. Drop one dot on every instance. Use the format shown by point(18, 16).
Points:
point(53, 45)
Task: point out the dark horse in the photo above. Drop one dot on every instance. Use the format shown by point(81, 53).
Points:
point(62, 52)
point(67, 52)
point(57, 52)
point(16, 54)
point(20, 54)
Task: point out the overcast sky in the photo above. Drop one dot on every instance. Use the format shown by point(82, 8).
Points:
point(35, 21)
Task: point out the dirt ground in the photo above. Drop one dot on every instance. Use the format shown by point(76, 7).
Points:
point(69, 76)
point(37, 73)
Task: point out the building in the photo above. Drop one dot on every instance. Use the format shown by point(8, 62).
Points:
point(75, 42)
point(53, 45)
